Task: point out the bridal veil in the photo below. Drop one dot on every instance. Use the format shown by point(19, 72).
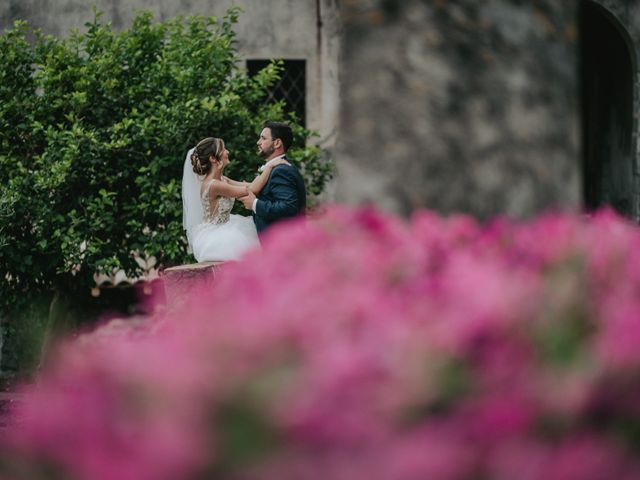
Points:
point(191, 204)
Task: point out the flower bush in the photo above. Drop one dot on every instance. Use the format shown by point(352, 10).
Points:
point(358, 346)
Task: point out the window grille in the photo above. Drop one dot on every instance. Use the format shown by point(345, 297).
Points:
point(292, 86)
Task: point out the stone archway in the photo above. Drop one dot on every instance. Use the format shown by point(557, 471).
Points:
point(607, 69)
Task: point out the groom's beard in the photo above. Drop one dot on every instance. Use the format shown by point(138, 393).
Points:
point(266, 153)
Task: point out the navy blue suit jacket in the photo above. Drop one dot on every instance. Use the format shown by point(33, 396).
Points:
point(284, 196)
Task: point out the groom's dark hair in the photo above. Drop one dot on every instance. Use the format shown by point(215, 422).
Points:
point(280, 130)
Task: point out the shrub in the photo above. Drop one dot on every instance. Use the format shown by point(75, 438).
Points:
point(359, 346)
point(93, 133)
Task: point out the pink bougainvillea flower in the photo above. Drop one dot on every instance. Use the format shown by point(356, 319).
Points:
point(359, 345)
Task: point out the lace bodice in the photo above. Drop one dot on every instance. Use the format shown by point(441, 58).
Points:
point(222, 209)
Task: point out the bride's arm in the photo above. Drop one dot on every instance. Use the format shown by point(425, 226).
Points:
point(236, 183)
point(261, 180)
point(225, 189)
point(239, 189)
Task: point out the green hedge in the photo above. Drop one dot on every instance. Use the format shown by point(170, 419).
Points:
point(93, 133)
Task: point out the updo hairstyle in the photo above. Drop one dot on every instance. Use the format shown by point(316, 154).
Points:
point(204, 149)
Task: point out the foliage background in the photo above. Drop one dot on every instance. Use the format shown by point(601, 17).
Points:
point(93, 133)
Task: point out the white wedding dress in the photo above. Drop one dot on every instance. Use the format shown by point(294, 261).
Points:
point(214, 235)
point(222, 235)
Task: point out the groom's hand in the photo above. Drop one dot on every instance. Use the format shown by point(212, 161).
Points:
point(247, 200)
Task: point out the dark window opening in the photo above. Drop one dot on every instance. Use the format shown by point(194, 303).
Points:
point(292, 86)
point(606, 74)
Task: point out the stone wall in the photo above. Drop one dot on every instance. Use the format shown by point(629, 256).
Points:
point(460, 106)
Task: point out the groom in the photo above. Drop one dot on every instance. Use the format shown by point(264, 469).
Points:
point(284, 195)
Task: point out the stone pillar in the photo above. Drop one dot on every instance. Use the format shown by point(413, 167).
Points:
point(179, 281)
point(468, 106)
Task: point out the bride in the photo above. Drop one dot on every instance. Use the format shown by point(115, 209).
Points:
point(214, 234)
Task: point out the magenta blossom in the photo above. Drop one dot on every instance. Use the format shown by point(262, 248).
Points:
point(359, 345)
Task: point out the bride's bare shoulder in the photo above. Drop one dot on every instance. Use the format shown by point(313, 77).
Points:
point(206, 186)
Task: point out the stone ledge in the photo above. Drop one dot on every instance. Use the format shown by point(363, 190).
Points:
point(179, 280)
